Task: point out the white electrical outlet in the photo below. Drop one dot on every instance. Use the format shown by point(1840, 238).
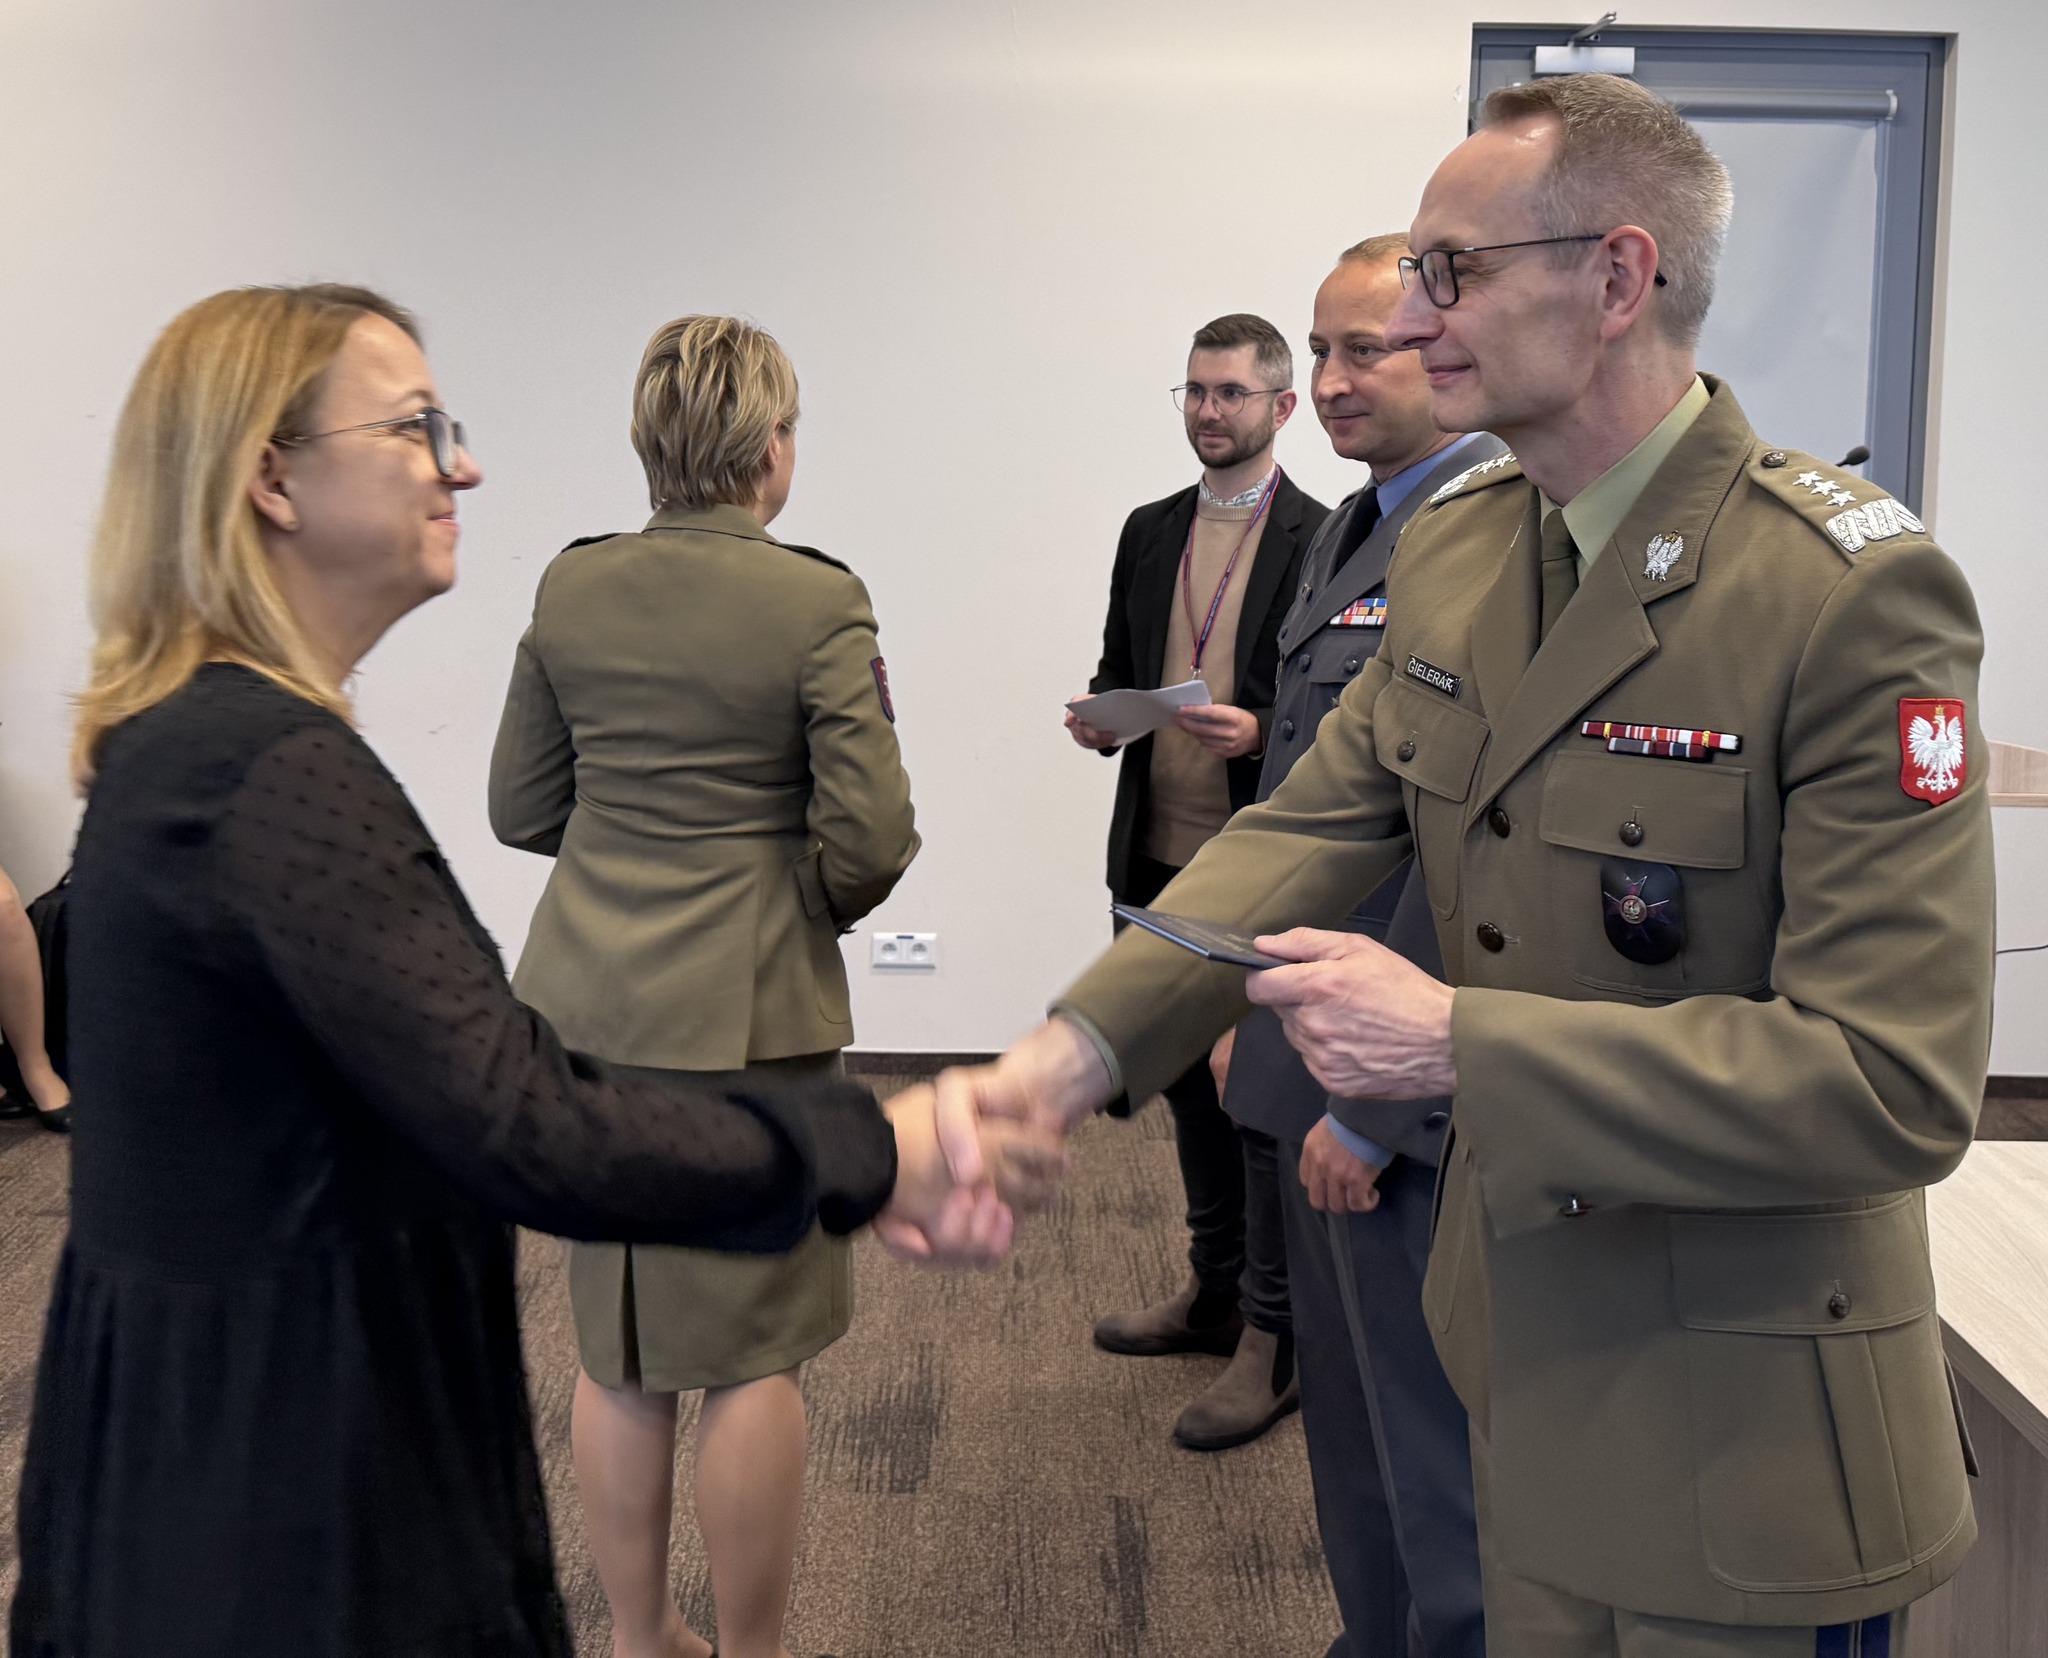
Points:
point(900, 950)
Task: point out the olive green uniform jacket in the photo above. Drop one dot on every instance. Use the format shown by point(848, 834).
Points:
point(1680, 1276)
point(698, 730)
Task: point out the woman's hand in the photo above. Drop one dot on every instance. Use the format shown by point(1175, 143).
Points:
point(932, 1217)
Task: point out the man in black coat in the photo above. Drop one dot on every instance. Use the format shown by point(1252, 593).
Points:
point(1201, 583)
point(1386, 1435)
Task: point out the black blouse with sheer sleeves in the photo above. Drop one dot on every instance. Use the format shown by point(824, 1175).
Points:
point(281, 1406)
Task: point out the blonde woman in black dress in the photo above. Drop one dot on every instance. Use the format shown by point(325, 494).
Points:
point(280, 1411)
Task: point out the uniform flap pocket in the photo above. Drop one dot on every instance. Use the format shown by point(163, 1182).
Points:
point(1804, 1274)
point(1661, 811)
point(1339, 655)
point(810, 881)
point(1428, 740)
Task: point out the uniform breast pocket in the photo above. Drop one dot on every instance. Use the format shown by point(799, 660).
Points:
point(1652, 891)
point(1434, 747)
point(1824, 1445)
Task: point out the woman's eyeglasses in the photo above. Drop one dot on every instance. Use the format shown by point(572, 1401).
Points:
point(444, 436)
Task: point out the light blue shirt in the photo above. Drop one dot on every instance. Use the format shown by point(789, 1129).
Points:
point(1391, 494)
point(1402, 484)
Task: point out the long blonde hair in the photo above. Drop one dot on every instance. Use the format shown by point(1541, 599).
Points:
point(179, 576)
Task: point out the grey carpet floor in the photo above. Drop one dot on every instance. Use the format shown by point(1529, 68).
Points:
point(982, 1481)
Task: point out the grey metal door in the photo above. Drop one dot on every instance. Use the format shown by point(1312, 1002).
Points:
point(1824, 310)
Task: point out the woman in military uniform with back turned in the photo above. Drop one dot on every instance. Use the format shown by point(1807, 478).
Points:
point(699, 732)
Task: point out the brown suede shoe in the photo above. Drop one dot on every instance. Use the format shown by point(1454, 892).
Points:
point(1256, 1389)
point(1165, 1328)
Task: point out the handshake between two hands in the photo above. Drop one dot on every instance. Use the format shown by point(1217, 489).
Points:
point(980, 1146)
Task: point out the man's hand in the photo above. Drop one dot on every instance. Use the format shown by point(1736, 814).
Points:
point(1219, 1060)
point(1336, 1181)
point(1051, 1081)
point(932, 1217)
point(1371, 1025)
point(1086, 735)
point(1220, 728)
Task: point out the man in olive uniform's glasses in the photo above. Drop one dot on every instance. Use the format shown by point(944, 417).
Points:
point(1679, 728)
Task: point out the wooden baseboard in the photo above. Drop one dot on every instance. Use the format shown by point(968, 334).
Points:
point(877, 1062)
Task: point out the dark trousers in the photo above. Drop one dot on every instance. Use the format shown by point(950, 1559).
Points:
point(1387, 1442)
point(1235, 1242)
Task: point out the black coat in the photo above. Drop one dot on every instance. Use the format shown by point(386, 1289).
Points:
point(1141, 597)
point(279, 1412)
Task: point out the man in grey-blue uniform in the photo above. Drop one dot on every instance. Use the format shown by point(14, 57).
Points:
point(1386, 1435)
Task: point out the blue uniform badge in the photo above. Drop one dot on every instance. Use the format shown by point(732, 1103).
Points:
point(1361, 613)
point(880, 670)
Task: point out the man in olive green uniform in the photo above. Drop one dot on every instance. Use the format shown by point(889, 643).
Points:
point(1677, 725)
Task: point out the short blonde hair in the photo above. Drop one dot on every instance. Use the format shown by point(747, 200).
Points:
point(1625, 156)
point(1391, 245)
point(178, 572)
point(711, 393)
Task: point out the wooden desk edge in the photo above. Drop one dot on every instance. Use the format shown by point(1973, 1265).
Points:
point(2027, 1418)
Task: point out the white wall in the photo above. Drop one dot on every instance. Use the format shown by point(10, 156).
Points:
point(983, 231)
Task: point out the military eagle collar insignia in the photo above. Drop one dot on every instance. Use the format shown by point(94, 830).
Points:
point(1471, 472)
point(1933, 755)
point(1663, 552)
point(1437, 679)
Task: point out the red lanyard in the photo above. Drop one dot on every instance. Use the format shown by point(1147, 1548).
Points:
point(1187, 564)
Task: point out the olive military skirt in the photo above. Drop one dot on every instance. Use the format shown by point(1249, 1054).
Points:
point(667, 1320)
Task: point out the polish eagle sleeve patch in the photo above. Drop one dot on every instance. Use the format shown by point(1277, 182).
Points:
point(880, 670)
point(1933, 752)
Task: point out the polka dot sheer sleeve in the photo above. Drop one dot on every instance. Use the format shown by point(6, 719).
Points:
point(377, 953)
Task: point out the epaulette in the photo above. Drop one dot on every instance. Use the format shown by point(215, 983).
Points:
point(592, 540)
point(1853, 512)
point(1495, 471)
point(812, 552)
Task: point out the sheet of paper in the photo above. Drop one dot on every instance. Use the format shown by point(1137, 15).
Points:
point(1128, 714)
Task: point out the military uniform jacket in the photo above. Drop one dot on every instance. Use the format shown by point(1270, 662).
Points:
point(1680, 1275)
point(1332, 630)
point(699, 731)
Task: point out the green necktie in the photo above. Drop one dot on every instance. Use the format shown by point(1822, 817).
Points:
point(1560, 572)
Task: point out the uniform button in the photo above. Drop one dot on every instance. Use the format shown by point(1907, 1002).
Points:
point(1287, 730)
point(1573, 1207)
point(1491, 937)
point(1631, 833)
point(1838, 1305)
point(1499, 822)
point(1304, 660)
point(1406, 751)
point(1436, 1119)
point(1351, 664)
point(1774, 457)
point(1306, 590)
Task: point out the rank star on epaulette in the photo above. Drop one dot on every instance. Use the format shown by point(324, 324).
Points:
point(1361, 613)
